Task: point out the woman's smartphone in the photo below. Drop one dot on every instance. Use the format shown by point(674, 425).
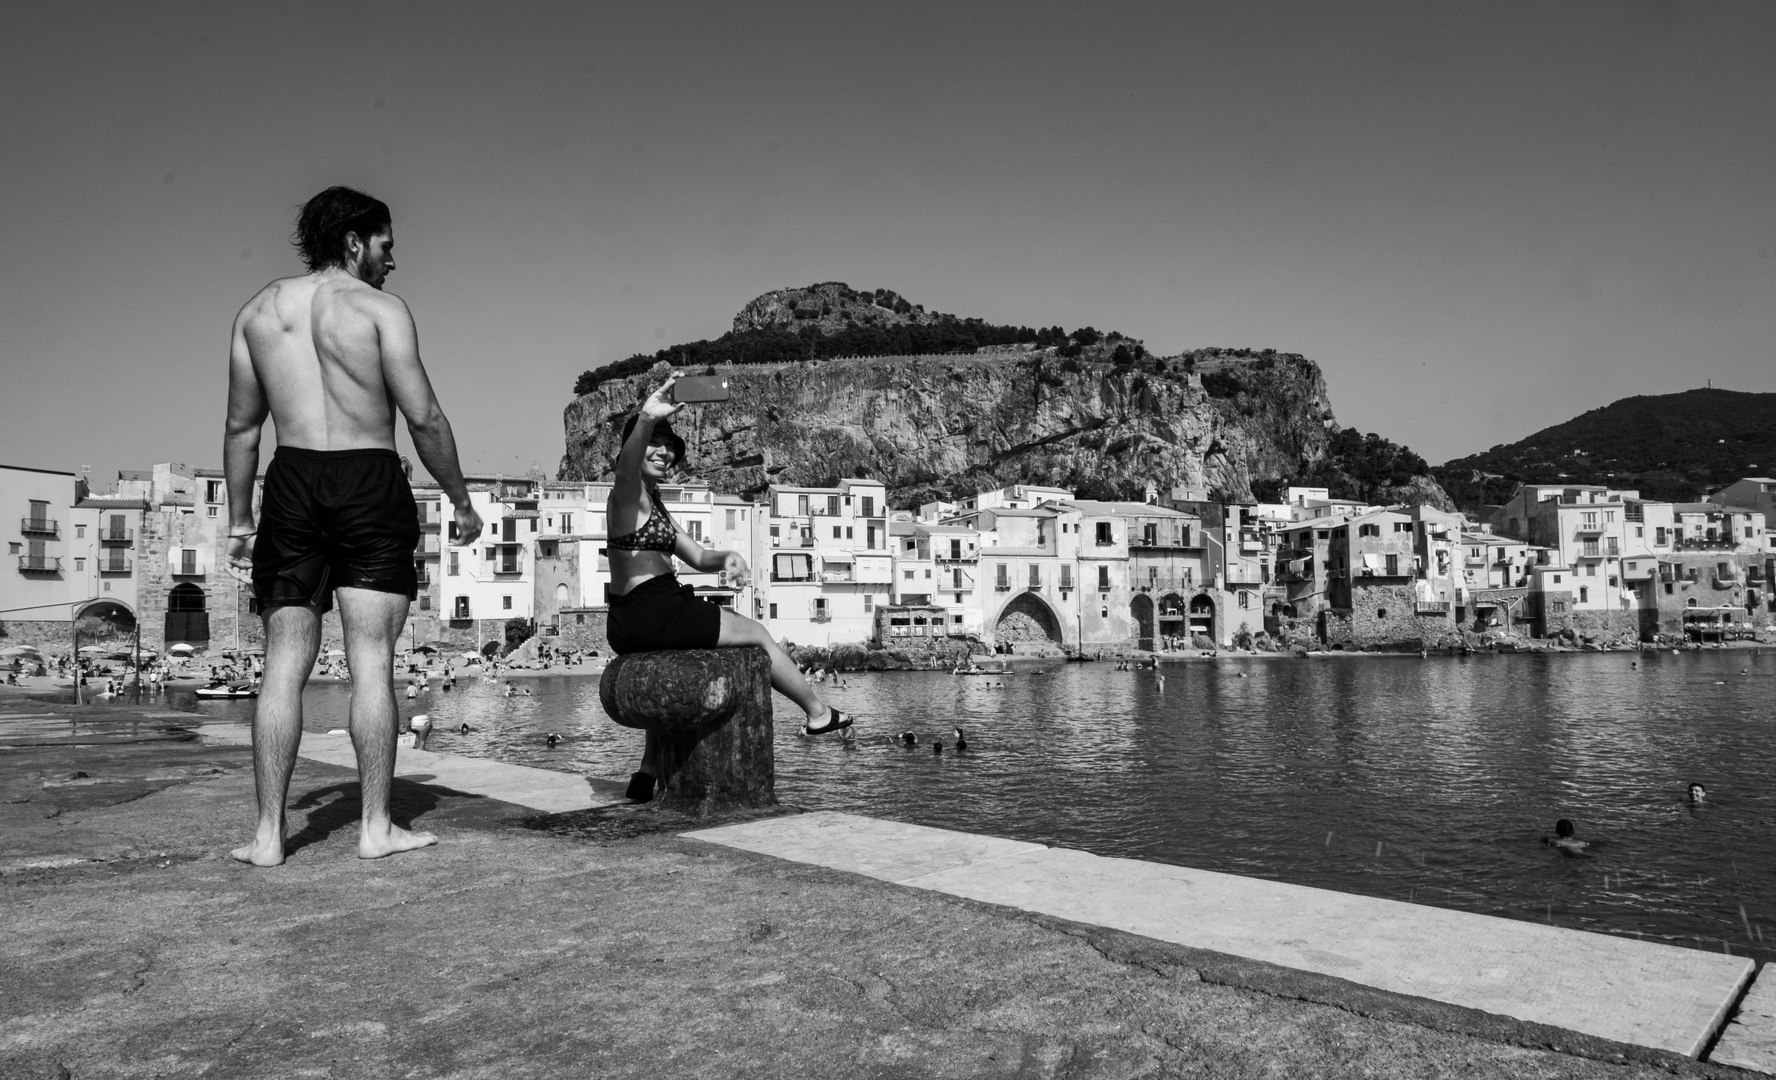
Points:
point(701, 388)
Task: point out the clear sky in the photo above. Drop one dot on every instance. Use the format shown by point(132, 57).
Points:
point(1479, 218)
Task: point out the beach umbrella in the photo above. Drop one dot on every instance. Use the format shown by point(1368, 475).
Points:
point(15, 651)
point(335, 654)
point(471, 655)
point(424, 648)
point(95, 650)
point(181, 649)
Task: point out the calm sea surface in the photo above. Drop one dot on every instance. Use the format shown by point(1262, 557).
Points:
point(1424, 780)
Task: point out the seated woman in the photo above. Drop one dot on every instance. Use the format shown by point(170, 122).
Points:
point(649, 609)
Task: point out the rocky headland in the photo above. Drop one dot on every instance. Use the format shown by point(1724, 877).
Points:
point(1093, 412)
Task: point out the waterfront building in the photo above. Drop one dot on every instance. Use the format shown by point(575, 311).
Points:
point(37, 601)
point(1497, 576)
point(1756, 493)
point(830, 561)
point(1303, 568)
point(937, 566)
point(1031, 591)
point(1394, 578)
point(1170, 595)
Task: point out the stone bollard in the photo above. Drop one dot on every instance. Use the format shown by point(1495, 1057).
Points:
point(708, 713)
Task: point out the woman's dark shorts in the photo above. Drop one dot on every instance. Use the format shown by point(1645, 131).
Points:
point(331, 518)
point(660, 613)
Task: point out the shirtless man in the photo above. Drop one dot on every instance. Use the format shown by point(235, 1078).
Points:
point(329, 357)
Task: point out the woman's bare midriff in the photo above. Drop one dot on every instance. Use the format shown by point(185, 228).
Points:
point(631, 568)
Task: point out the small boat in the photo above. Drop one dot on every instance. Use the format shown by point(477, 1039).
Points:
point(228, 690)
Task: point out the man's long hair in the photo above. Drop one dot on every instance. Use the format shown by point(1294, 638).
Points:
point(326, 218)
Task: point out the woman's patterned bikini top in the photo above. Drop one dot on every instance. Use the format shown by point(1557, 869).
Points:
point(658, 534)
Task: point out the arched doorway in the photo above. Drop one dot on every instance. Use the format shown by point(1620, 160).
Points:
point(1141, 611)
point(1027, 619)
point(1171, 617)
point(1202, 617)
point(187, 615)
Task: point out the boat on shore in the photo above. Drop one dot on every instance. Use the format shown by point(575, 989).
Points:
point(221, 689)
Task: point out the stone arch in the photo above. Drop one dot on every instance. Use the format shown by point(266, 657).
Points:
point(1204, 619)
point(1027, 617)
point(187, 615)
point(1141, 614)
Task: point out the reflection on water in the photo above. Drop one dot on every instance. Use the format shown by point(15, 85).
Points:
point(1413, 780)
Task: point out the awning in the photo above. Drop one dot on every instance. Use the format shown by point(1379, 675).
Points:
point(792, 565)
point(838, 557)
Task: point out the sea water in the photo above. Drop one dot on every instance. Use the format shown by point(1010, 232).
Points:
point(1432, 781)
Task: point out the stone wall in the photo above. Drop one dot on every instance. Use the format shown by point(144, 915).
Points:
point(1387, 617)
point(1593, 624)
point(583, 629)
point(50, 635)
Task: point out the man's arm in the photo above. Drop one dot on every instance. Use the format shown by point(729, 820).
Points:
point(409, 385)
point(247, 409)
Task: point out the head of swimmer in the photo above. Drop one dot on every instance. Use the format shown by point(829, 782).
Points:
point(1563, 828)
point(347, 230)
point(1697, 792)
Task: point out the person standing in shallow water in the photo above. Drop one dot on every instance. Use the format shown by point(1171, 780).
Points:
point(650, 610)
point(330, 357)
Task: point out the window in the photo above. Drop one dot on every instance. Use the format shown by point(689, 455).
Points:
point(869, 601)
point(13, 549)
point(1639, 532)
point(1103, 577)
point(1393, 566)
point(909, 575)
point(1066, 577)
point(956, 578)
point(1591, 546)
point(955, 549)
point(1610, 546)
point(695, 528)
point(425, 602)
point(1381, 613)
point(1150, 534)
point(1633, 565)
point(455, 566)
point(80, 564)
point(1035, 576)
point(505, 603)
point(533, 524)
point(1323, 534)
point(820, 607)
point(1402, 526)
point(1368, 530)
point(1659, 536)
point(1104, 536)
point(774, 533)
point(869, 506)
point(1152, 575)
point(729, 519)
point(79, 531)
point(1612, 580)
point(212, 492)
point(1584, 594)
point(1003, 578)
point(801, 506)
point(567, 522)
point(461, 608)
point(1590, 569)
point(836, 532)
point(928, 573)
point(773, 611)
point(490, 554)
point(849, 533)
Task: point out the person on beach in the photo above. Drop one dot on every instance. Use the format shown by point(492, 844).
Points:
point(330, 357)
point(649, 609)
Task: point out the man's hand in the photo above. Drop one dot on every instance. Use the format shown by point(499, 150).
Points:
point(240, 558)
point(468, 525)
point(739, 574)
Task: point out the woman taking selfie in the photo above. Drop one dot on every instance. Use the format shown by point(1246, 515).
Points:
point(649, 609)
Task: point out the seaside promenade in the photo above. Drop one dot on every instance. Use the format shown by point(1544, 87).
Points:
point(593, 943)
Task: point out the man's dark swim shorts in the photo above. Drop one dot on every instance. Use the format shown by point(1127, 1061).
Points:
point(331, 518)
point(660, 613)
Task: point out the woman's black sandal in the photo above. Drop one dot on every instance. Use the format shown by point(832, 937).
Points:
point(836, 721)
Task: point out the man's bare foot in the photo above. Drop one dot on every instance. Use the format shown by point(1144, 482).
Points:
point(392, 841)
point(265, 850)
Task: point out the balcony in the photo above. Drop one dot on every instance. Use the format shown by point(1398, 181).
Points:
point(822, 617)
point(114, 566)
point(425, 580)
point(126, 537)
point(1710, 544)
point(508, 569)
point(36, 526)
point(1432, 607)
point(40, 564)
point(792, 577)
point(1590, 530)
point(837, 575)
point(187, 569)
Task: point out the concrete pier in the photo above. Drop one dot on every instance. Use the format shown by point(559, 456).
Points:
point(1615, 988)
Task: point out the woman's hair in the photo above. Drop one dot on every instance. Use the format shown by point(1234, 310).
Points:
point(662, 430)
point(1563, 827)
point(326, 218)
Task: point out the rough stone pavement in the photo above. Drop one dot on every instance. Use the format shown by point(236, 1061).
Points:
point(134, 947)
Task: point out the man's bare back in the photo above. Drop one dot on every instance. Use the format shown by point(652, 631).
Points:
point(330, 357)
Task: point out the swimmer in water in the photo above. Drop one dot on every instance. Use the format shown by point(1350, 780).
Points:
point(1697, 793)
point(1564, 839)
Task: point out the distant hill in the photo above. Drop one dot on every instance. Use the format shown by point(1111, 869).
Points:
point(1674, 447)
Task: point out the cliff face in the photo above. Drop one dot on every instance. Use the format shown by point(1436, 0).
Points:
point(942, 426)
